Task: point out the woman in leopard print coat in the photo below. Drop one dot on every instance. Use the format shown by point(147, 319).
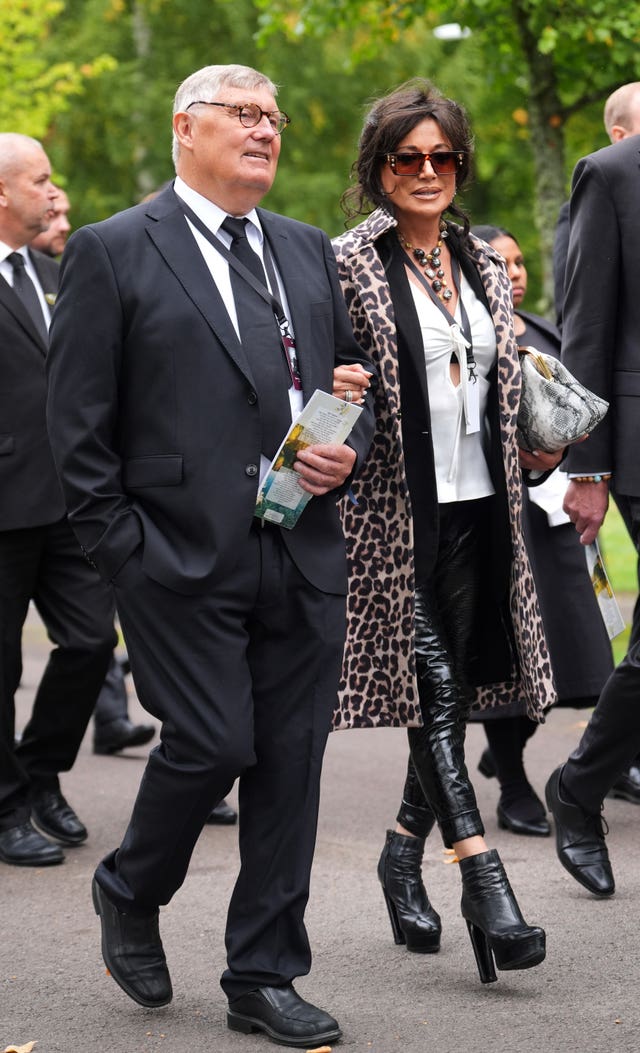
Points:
point(442, 605)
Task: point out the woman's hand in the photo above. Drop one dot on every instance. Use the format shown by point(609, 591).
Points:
point(540, 460)
point(351, 382)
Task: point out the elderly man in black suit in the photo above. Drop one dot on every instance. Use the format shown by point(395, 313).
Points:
point(171, 385)
point(40, 558)
point(601, 345)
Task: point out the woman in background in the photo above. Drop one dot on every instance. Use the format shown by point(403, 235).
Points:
point(581, 656)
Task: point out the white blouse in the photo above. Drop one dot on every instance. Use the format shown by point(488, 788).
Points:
point(462, 472)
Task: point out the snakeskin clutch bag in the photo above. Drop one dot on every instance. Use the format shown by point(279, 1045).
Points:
point(555, 408)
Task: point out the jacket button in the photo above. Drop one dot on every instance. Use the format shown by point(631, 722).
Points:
point(251, 470)
point(252, 398)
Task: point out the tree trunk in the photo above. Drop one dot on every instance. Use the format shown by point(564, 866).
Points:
point(547, 143)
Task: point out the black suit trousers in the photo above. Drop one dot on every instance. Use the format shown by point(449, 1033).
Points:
point(611, 740)
point(244, 681)
point(45, 564)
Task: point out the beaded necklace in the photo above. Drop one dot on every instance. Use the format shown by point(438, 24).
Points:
point(431, 263)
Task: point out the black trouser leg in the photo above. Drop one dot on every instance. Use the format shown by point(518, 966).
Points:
point(112, 702)
point(77, 609)
point(507, 737)
point(611, 740)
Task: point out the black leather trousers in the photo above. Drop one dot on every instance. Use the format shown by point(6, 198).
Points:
point(437, 787)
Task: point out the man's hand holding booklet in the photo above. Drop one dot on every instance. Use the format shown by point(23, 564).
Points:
point(324, 420)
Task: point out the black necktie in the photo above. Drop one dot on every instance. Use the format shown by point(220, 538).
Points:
point(26, 290)
point(261, 340)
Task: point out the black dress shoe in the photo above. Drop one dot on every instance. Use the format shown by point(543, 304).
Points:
point(222, 815)
point(580, 840)
point(133, 952)
point(23, 846)
point(55, 817)
point(627, 787)
point(284, 1017)
point(120, 734)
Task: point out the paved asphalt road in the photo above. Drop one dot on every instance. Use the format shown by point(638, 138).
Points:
point(585, 998)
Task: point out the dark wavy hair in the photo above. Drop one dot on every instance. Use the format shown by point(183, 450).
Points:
point(389, 120)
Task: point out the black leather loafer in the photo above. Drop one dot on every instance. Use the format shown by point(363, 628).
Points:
point(627, 787)
point(580, 841)
point(119, 735)
point(133, 952)
point(55, 817)
point(23, 846)
point(284, 1017)
point(222, 815)
point(524, 816)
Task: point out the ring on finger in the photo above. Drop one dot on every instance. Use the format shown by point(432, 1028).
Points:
point(348, 395)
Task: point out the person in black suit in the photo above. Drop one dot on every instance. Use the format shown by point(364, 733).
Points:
point(600, 346)
point(170, 388)
point(40, 558)
point(113, 730)
point(621, 119)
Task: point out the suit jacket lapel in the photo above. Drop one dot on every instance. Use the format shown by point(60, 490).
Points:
point(169, 231)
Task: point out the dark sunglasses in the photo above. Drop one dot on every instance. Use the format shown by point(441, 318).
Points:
point(443, 162)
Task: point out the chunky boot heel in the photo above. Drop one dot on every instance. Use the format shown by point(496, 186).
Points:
point(482, 953)
point(499, 934)
point(414, 922)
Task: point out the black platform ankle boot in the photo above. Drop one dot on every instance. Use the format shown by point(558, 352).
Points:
point(497, 929)
point(414, 922)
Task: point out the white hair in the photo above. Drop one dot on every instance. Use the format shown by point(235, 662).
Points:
point(206, 83)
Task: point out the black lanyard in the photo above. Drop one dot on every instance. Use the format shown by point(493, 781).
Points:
point(464, 318)
point(287, 341)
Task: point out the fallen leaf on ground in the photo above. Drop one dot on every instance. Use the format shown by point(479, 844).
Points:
point(320, 1049)
point(20, 1049)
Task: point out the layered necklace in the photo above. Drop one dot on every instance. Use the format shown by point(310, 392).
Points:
point(431, 263)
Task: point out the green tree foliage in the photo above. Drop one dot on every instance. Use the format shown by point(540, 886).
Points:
point(532, 75)
point(565, 54)
point(33, 86)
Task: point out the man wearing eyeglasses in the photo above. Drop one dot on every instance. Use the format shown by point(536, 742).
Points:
point(172, 381)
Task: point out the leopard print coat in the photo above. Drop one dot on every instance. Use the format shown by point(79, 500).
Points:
point(379, 685)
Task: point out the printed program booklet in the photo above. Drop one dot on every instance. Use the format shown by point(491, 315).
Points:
point(611, 616)
point(325, 419)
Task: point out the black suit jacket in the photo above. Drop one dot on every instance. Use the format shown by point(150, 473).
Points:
point(153, 416)
point(560, 248)
point(601, 329)
point(30, 493)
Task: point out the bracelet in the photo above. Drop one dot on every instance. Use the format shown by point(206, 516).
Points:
point(602, 477)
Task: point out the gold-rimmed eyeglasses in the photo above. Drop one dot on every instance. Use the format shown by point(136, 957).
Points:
point(250, 114)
